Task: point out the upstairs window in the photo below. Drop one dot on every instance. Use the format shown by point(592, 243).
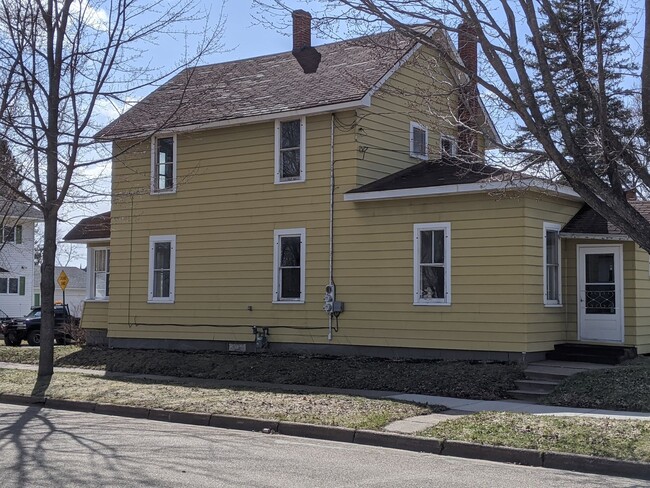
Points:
point(163, 164)
point(552, 268)
point(12, 234)
point(100, 277)
point(289, 266)
point(432, 264)
point(419, 141)
point(290, 142)
point(162, 268)
point(448, 146)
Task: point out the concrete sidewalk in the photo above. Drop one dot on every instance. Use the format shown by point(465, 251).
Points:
point(456, 406)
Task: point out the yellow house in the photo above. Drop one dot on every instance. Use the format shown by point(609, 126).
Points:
point(332, 200)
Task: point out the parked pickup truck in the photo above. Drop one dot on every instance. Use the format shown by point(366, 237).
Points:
point(29, 328)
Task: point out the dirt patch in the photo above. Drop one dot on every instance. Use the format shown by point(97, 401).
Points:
point(461, 379)
point(188, 396)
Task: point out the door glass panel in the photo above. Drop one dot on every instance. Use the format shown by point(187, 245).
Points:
point(600, 288)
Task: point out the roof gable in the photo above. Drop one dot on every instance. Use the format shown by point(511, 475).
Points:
point(97, 227)
point(265, 85)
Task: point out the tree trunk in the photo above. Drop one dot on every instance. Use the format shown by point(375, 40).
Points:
point(645, 73)
point(46, 358)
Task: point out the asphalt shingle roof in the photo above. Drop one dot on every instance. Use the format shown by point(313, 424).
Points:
point(263, 85)
point(440, 172)
point(95, 227)
point(588, 221)
point(19, 209)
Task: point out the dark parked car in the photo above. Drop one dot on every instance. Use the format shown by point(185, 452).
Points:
point(29, 328)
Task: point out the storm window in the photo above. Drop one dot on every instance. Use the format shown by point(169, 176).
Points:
point(419, 141)
point(100, 262)
point(163, 164)
point(162, 268)
point(290, 142)
point(432, 264)
point(289, 266)
point(552, 267)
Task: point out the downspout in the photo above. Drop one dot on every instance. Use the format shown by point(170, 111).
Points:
point(331, 235)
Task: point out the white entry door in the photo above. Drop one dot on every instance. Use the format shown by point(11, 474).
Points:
point(600, 293)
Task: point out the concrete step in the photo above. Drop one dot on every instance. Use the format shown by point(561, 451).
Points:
point(548, 363)
point(527, 396)
point(547, 374)
point(585, 357)
point(536, 386)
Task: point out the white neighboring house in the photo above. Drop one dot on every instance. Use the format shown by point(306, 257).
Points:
point(17, 258)
point(75, 292)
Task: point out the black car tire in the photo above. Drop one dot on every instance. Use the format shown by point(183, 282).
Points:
point(11, 339)
point(34, 338)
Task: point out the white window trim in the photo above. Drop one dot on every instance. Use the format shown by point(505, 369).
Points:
point(303, 151)
point(276, 263)
point(154, 145)
point(172, 269)
point(415, 125)
point(454, 142)
point(90, 274)
point(553, 227)
point(15, 229)
point(417, 299)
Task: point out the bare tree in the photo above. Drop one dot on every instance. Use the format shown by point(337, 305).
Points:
point(519, 77)
point(60, 62)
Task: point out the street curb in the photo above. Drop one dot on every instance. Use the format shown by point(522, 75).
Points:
point(525, 457)
point(120, 410)
point(398, 441)
point(324, 432)
point(243, 423)
point(500, 454)
point(596, 465)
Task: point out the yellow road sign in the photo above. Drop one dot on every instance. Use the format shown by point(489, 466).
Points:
point(63, 280)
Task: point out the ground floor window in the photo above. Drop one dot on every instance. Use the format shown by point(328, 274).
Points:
point(552, 275)
point(289, 266)
point(432, 264)
point(162, 268)
point(100, 278)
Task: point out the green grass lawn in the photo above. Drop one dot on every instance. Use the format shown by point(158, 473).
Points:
point(625, 387)
point(619, 439)
point(462, 379)
point(191, 396)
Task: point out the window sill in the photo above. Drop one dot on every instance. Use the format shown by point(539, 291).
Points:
point(419, 156)
point(432, 304)
point(553, 305)
point(163, 192)
point(98, 300)
point(288, 182)
point(154, 302)
point(288, 302)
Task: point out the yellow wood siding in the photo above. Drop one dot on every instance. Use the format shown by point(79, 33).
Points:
point(546, 325)
point(421, 91)
point(95, 315)
point(226, 208)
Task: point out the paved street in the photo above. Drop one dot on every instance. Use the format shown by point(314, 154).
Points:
point(49, 448)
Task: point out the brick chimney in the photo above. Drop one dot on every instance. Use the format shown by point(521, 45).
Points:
point(305, 54)
point(468, 102)
point(301, 30)
point(630, 195)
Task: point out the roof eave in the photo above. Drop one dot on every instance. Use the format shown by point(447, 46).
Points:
point(465, 188)
point(98, 240)
point(362, 102)
point(601, 237)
